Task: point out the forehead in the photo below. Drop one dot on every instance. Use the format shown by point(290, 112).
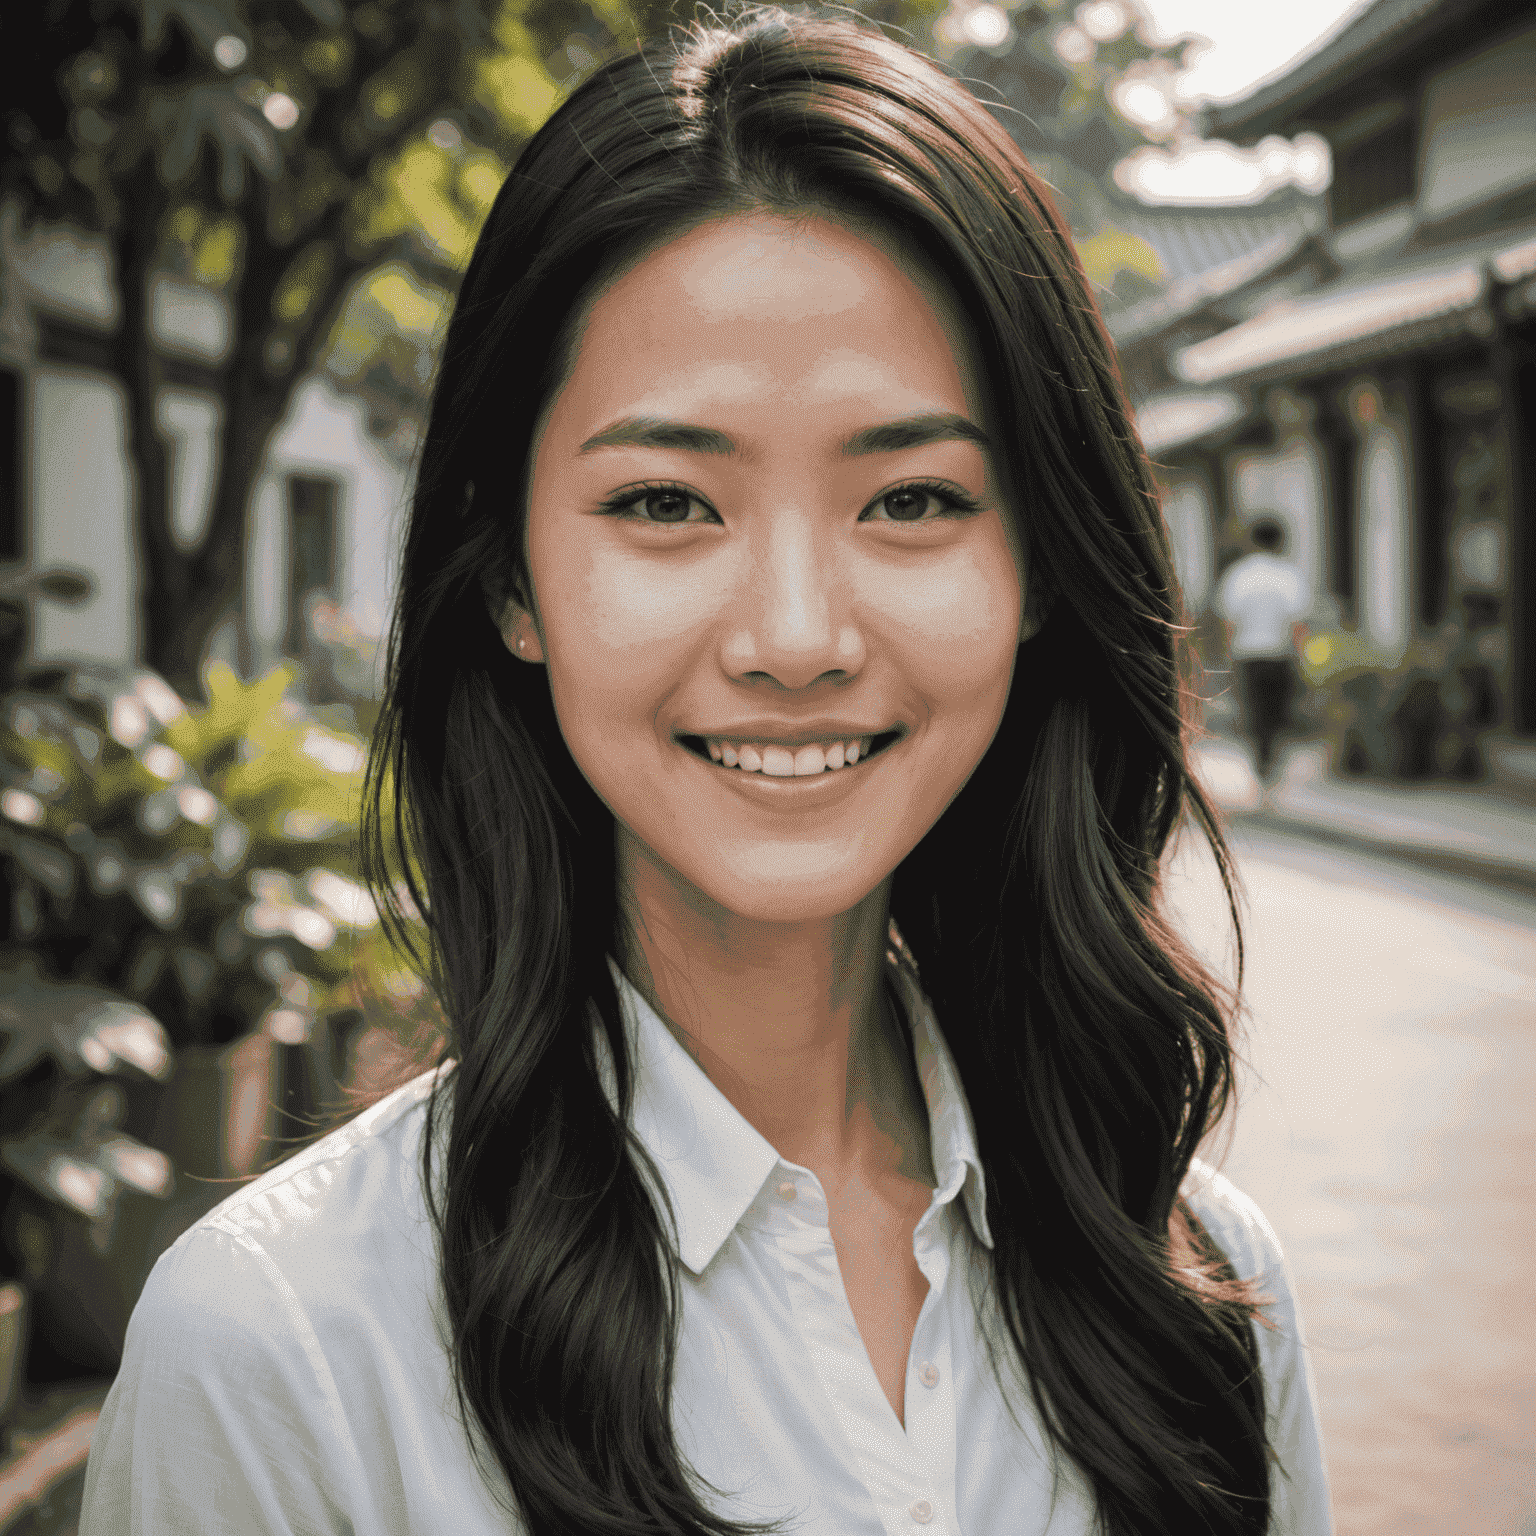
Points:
point(802, 313)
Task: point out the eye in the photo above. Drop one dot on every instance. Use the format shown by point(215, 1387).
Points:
point(920, 501)
point(660, 505)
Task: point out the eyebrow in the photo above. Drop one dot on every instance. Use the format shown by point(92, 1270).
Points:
point(887, 437)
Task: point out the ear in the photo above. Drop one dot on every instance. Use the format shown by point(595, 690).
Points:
point(1037, 609)
point(519, 633)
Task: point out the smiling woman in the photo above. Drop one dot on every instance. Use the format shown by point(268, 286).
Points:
point(786, 715)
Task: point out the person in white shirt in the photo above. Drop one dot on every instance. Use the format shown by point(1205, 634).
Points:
point(1264, 597)
point(782, 726)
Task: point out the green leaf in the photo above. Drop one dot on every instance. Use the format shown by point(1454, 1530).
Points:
point(1112, 251)
point(206, 21)
point(328, 13)
point(182, 120)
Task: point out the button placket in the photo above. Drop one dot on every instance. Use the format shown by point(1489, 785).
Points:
point(930, 1403)
point(894, 1465)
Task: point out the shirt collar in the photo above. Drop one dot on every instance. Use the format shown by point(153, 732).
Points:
point(711, 1161)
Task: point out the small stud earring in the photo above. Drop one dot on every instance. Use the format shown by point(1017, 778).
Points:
point(522, 641)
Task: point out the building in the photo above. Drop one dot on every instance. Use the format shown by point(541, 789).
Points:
point(322, 513)
point(1372, 378)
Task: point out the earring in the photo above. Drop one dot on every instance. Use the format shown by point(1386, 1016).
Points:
point(522, 641)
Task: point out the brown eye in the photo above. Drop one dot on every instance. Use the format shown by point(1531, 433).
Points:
point(906, 505)
point(920, 501)
point(666, 506)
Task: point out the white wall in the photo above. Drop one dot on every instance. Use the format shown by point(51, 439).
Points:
point(80, 507)
point(1478, 136)
point(324, 433)
point(1187, 511)
point(80, 513)
point(189, 422)
point(78, 484)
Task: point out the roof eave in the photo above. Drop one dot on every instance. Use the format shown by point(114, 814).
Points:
point(1373, 38)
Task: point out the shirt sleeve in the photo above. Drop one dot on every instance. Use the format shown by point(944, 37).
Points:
point(218, 1422)
point(1224, 595)
point(1301, 595)
point(1300, 1504)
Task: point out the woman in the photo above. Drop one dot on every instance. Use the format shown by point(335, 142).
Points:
point(786, 707)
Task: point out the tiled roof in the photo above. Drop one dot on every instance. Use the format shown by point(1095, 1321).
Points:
point(1518, 262)
point(1191, 240)
point(1187, 295)
point(1264, 110)
point(1179, 418)
point(1395, 311)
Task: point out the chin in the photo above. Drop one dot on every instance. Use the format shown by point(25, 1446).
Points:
point(787, 890)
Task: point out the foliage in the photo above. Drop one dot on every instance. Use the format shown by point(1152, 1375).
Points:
point(1417, 716)
point(195, 862)
point(1082, 88)
point(290, 154)
point(173, 878)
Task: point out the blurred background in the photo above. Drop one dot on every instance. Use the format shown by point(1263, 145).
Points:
point(230, 231)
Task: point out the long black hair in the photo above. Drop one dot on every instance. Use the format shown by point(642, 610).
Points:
point(1094, 1048)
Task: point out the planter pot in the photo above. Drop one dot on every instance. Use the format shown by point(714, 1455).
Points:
point(216, 1117)
point(215, 1120)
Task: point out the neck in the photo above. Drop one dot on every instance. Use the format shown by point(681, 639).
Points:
point(788, 1019)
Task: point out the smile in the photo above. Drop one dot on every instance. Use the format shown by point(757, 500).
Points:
point(782, 761)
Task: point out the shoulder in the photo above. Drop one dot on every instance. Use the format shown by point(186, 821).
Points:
point(309, 1237)
point(1234, 1221)
point(327, 1223)
point(1301, 1504)
point(262, 1336)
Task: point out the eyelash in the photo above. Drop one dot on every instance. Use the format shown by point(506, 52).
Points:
point(958, 503)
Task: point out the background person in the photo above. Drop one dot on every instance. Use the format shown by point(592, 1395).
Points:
point(1263, 598)
point(785, 714)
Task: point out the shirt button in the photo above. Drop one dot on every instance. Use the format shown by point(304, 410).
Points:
point(929, 1374)
point(922, 1511)
point(787, 1190)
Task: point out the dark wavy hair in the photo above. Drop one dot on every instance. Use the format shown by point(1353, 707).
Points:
point(1094, 1048)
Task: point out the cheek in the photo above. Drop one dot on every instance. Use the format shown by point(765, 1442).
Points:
point(957, 622)
point(615, 629)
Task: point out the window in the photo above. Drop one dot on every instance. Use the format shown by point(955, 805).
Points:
point(312, 502)
point(1373, 173)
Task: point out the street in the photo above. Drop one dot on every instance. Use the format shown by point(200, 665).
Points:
point(1388, 1130)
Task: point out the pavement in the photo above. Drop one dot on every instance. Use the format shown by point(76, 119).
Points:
point(42, 1474)
point(1485, 831)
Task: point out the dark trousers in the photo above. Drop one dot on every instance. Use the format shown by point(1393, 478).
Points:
point(1265, 687)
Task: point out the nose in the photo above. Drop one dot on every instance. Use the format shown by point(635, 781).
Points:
point(791, 620)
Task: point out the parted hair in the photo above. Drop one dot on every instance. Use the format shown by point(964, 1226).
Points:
point(1095, 1049)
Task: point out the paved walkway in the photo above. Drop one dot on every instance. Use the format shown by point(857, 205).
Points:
point(1474, 830)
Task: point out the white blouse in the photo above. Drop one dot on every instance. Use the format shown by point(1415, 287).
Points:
point(286, 1367)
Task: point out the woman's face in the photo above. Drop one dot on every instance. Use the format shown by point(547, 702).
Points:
point(763, 537)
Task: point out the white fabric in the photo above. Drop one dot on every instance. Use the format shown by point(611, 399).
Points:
point(286, 1367)
point(1262, 595)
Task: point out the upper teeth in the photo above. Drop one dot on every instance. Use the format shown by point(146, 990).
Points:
point(787, 762)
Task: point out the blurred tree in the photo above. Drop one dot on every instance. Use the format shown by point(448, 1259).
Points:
point(282, 152)
point(1083, 87)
